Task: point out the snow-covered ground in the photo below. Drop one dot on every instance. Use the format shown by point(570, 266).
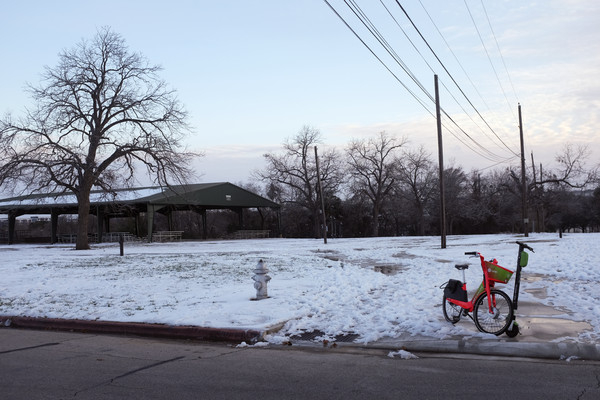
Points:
point(375, 287)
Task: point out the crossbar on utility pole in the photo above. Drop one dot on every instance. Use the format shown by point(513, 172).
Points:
point(441, 163)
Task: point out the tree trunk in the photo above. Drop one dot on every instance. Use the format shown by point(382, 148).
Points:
point(421, 221)
point(375, 224)
point(83, 215)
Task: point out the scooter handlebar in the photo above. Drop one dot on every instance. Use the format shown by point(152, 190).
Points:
point(525, 246)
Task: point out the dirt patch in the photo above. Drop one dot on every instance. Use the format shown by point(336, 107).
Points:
point(405, 255)
point(389, 269)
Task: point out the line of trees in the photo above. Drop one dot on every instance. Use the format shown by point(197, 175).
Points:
point(380, 186)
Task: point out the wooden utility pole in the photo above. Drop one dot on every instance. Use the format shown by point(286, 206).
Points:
point(322, 197)
point(441, 163)
point(523, 182)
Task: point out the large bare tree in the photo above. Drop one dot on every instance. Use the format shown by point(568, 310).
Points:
point(99, 114)
point(294, 172)
point(372, 165)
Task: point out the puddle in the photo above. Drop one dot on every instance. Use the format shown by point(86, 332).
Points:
point(547, 328)
point(539, 322)
point(540, 293)
point(527, 277)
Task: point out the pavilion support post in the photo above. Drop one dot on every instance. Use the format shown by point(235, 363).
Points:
point(170, 219)
point(99, 222)
point(150, 220)
point(204, 227)
point(279, 222)
point(137, 224)
point(240, 212)
point(54, 226)
point(12, 222)
point(107, 224)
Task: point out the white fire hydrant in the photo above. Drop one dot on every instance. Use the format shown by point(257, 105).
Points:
point(260, 280)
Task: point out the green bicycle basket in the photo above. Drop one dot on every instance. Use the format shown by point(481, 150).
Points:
point(497, 273)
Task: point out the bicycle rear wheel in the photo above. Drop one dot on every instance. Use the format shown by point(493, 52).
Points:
point(497, 321)
point(452, 312)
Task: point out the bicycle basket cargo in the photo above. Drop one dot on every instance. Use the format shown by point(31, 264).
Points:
point(497, 273)
point(454, 290)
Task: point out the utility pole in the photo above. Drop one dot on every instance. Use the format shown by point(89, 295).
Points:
point(441, 163)
point(523, 182)
point(322, 197)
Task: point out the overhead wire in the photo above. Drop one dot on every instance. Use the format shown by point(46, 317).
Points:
point(451, 77)
point(364, 19)
point(361, 15)
point(499, 51)
point(481, 98)
point(490, 59)
point(433, 71)
point(421, 102)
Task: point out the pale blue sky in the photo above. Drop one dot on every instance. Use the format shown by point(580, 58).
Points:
point(252, 73)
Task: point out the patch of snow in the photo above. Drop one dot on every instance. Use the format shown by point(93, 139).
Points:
point(337, 288)
point(404, 355)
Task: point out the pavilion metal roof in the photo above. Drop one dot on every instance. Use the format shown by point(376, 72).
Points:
point(219, 195)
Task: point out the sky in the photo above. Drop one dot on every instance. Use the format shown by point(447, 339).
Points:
point(253, 73)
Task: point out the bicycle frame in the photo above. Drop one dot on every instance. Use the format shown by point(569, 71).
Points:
point(499, 316)
point(486, 285)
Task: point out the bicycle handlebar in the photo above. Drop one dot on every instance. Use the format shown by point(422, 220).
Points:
point(525, 245)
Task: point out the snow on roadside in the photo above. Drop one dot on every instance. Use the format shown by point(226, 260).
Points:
point(337, 288)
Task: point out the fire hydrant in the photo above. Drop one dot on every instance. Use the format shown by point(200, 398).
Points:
point(260, 280)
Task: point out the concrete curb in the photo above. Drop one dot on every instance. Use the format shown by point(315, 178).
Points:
point(555, 351)
point(133, 328)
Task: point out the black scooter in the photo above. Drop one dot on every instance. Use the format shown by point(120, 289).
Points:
point(522, 260)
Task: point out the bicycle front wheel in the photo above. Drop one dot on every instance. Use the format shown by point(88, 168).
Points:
point(452, 312)
point(497, 319)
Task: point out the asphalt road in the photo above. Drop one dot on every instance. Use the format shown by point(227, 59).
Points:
point(62, 365)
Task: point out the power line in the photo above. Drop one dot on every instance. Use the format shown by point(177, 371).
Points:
point(499, 51)
point(451, 77)
point(489, 58)
point(421, 102)
point(363, 18)
point(459, 64)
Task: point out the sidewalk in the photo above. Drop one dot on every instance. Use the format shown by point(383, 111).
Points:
point(543, 334)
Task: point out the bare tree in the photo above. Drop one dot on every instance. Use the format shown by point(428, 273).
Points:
point(417, 179)
point(372, 166)
point(294, 172)
point(99, 113)
point(572, 169)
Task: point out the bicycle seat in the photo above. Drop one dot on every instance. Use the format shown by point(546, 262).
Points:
point(461, 266)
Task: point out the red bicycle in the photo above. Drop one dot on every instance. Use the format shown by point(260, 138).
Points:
point(493, 311)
